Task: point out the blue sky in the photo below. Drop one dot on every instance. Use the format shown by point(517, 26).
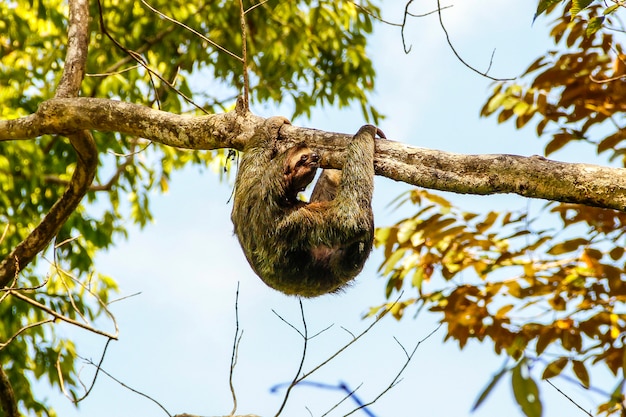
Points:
point(176, 335)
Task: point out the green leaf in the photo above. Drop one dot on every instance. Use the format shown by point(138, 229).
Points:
point(595, 23)
point(525, 391)
point(543, 6)
point(494, 380)
point(578, 5)
point(611, 9)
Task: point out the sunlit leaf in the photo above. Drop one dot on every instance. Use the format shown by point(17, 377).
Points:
point(526, 392)
point(578, 5)
point(544, 5)
point(595, 23)
point(581, 372)
point(611, 8)
point(567, 246)
point(554, 368)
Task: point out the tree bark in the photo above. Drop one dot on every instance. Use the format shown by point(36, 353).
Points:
point(533, 176)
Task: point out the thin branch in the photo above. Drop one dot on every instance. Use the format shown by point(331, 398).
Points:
point(445, 31)
point(23, 329)
point(52, 179)
point(4, 232)
point(93, 382)
point(141, 61)
point(296, 379)
point(321, 331)
point(429, 13)
point(396, 379)
point(109, 73)
point(406, 13)
point(233, 358)
point(90, 362)
point(350, 343)
point(195, 32)
point(255, 6)
point(569, 398)
point(124, 298)
point(374, 16)
point(348, 331)
point(350, 394)
point(61, 317)
point(62, 274)
point(112, 69)
point(288, 323)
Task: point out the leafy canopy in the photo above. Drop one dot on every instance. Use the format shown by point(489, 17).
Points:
point(303, 53)
point(550, 289)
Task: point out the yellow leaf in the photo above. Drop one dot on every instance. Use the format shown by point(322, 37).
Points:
point(554, 368)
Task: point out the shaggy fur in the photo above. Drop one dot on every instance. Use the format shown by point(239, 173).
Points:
point(298, 248)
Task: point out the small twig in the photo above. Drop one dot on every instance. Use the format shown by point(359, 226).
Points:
point(61, 317)
point(372, 15)
point(62, 273)
point(296, 379)
point(354, 340)
point(287, 323)
point(321, 331)
point(95, 377)
point(107, 74)
point(195, 32)
point(397, 379)
point(406, 13)
point(4, 232)
point(348, 331)
point(569, 398)
point(349, 395)
point(124, 298)
point(445, 31)
point(23, 329)
point(233, 358)
point(255, 6)
point(71, 397)
point(141, 61)
point(90, 362)
point(428, 13)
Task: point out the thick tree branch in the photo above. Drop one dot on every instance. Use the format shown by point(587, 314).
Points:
point(41, 235)
point(7, 396)
point(533, 176)
point(76, 57)
point(82, 142)
point(63, 116)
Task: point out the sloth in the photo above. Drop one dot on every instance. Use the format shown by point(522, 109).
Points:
point(304, 248)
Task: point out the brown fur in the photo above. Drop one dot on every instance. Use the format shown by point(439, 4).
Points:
point(306, 249)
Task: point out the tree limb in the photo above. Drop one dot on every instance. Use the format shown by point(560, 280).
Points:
point(80, 139)
point(7, 396)
point(534, 176)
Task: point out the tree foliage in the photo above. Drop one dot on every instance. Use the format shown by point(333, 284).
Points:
point(550, 288)
point(545, 293)
point(139, 56)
